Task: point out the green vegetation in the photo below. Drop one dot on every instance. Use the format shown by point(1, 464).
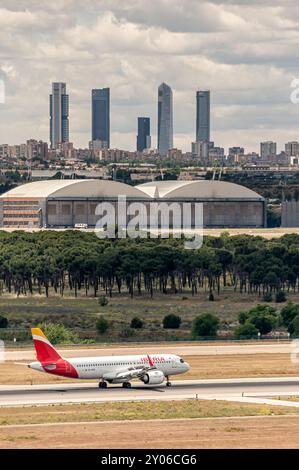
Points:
point(136, 323)
point(103, 325)
point(205, 325)
point(267, 297)
point(57, 333)
point(172, 321)
point(288, 313)
point(246, 331)
point(280, 297)
point(55, 262)
point(263, 317)
point(3, 322)
point(103, 301)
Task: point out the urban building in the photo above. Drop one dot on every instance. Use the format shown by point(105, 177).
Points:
point(65, 203)
point(165, 119)
point(144, 134)
point(292, 149)
point(203, 116)
point(268, 150)
point(100, 111)
point(59, 115)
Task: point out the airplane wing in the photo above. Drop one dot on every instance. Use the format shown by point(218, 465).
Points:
point(133, 372)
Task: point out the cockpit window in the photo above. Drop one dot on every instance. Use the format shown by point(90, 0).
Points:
point(182, 361)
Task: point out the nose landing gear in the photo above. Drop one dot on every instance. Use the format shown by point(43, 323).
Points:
point(168, 383)
point(102, 384)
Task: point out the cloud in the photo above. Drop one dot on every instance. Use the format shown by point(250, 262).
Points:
point(245, 52)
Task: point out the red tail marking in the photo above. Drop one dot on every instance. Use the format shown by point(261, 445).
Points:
point(45, 352)
point(150, 361)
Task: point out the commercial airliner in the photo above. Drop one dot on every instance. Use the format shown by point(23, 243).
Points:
point(151, 370)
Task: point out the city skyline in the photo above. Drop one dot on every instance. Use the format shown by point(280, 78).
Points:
point(138, 48)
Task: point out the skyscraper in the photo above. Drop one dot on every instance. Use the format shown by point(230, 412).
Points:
point(202, 116)
point(144, 134)
point(165, 119)
point(59, 115)
point(100, 104)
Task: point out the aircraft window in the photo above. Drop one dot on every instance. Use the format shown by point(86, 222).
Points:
point(182, 361)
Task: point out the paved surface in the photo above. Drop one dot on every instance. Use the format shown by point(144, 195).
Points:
point(185, 350)
point(245, 390)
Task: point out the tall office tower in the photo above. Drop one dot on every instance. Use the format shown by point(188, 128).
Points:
point(292, 149)
point(268, 150)
point(59, 115)
point(100, 104)
point(165, 119)
point(144, 134)
point(203, 116)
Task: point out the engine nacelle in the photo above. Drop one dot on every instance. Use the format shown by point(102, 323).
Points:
point(153, 377)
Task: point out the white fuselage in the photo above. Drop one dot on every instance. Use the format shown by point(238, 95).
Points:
point(105, 366)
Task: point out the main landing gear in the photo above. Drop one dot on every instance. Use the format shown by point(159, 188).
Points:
point(168, 384)
point(126, 385)
point(103, 384)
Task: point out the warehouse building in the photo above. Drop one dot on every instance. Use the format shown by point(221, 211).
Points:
point(67, 203)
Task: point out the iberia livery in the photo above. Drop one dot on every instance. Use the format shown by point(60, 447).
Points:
point(151, 370)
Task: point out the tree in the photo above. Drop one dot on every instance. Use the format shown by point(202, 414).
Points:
point(58, 333)
point(3, 322)
point(267, 297)
point(172, 321)
point(205, 325)
point(136, 323)
point(102, 325)
point(103, 301)
point(246, 331)
point(293, 327)
point(280, 297)
point(263, 317)
point(288, 313)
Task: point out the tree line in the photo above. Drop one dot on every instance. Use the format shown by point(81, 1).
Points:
point(49, 261)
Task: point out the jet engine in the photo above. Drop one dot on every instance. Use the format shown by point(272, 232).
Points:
point(153, 377)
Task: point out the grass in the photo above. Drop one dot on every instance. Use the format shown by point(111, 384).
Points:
point(183, 409)
point(82, 312)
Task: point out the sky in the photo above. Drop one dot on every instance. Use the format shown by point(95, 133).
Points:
point(245, 51)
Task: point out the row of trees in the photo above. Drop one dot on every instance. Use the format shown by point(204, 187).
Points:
point(48, 262)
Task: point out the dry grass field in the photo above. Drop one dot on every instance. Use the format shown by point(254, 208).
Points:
point(233, 433)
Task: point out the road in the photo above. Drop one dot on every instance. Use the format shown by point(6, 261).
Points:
point(184, 350)
point(244, 390)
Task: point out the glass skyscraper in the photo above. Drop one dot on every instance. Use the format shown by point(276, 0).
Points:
point(100, 99)
point(59, 115)
point(144, 134)
point(203, 116)
point(165, 119)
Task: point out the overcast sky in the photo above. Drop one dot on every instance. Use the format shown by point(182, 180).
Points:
point(245, 51)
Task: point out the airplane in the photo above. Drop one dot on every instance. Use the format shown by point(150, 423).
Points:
point(151, 370)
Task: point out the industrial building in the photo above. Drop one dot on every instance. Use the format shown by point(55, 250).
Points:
point(65, 203)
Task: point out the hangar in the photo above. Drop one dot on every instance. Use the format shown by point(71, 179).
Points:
point(65, 203)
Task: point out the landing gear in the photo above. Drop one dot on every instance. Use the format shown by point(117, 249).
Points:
point(168, 384)
point(126, 385)
point(103, 384)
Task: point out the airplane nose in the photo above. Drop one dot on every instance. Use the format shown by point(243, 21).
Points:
point(187, 366)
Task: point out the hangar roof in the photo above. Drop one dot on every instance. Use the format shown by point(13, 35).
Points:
point(74, 188)
point(201, 189)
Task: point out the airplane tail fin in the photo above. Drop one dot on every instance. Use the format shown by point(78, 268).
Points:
point(45, 352)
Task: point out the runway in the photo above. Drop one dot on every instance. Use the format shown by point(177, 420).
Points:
point(244, 390)
point(183, 350)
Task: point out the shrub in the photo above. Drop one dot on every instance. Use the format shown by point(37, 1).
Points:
point(58, 333)
point(103, 301)
point(288, 313)
point(246, 331)
point(263, 317)
point(136, 323)
point(102, 325)
point(172, 321)
point(267, 297)
point(3, 322)
point(293, 327)
point(205, 325)
point(280, 297)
